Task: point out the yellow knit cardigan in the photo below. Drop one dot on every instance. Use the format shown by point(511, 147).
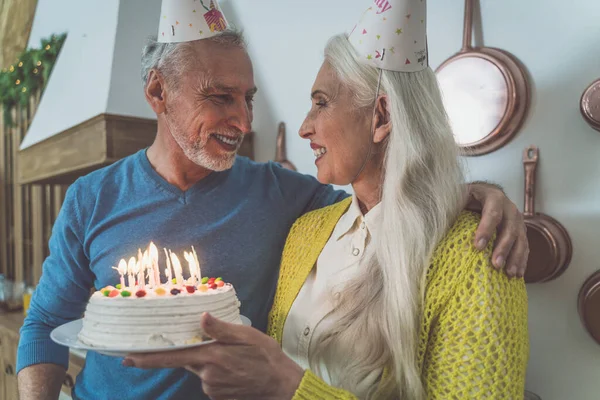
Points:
point(473, 339)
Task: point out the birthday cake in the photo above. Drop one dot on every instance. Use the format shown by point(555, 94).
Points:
point(145, 312)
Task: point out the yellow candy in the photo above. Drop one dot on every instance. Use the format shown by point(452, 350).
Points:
point(202, 288)
point(160, 291)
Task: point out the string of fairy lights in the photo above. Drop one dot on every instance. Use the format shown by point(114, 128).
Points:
point(28, 74)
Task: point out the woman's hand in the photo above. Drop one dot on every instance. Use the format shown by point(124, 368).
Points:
point(243, 363)
point(498, 213)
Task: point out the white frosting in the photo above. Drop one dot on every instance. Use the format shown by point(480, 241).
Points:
point(153, 320)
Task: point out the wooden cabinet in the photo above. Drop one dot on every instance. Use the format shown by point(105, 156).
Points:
point(8, 364)
point(10, 323)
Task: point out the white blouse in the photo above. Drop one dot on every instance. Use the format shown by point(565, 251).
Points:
point(341, 259)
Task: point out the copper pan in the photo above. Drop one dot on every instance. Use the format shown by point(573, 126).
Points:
point(549, 242)
point(590, 105)
point(281, 153)
point(499, 84)
point(588, 304)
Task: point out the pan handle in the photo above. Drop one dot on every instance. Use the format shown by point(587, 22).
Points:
point(281, 154)
point(467, 30)
point(530, 160)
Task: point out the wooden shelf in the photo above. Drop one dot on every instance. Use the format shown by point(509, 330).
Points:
point(93, 144)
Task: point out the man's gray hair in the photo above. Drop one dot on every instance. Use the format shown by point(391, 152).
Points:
point(172, 59)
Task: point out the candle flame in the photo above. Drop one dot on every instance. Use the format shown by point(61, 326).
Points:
point(153, 252)
point(131, 265)
point(198, 272)
point(122, 268)
point(176, 263)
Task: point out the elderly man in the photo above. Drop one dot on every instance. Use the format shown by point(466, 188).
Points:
point(188, 188)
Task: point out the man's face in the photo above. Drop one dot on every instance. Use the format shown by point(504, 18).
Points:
point(212, 108)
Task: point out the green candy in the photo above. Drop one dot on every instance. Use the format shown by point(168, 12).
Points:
point(174, 280)
point(205, 280)
point(118, 286)
point(106, 292)
point(125, 293)
point(219, 279)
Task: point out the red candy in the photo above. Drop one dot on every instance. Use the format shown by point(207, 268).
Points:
point(212, 286)
point(190, 289)
point(220, 283)
point(113, 293)
point(140, 293)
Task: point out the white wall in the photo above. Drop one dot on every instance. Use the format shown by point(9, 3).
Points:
point(560, 45)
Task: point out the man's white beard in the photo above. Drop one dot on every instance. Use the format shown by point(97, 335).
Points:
point(199, 155)
point(202, 158)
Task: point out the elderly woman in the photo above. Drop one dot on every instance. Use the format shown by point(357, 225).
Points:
point(381, 296)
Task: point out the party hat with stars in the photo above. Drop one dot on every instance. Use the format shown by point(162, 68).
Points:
point(392, 35)
point(188, 20)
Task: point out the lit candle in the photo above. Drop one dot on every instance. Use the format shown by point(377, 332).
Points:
point(198, 272)
point(177, 269)
point(191, 267)
point(122, 269)
point(149, 270)
point(168, 270)
point(130, 273)
point(154, 259)
point(142, 272)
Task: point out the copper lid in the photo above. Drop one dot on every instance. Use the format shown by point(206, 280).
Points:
point(590, 105)
point(589, 305)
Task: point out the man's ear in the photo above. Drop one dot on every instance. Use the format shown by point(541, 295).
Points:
point(155, 92)
point(382, 122)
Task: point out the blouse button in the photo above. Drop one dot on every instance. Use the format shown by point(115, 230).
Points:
point(362, 225)
point(306, 331)
point(355, 251)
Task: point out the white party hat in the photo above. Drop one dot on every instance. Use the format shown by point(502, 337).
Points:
point(188, 20)
point(392, 35)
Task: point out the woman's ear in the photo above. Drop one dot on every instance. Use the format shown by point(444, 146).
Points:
point(382, 121)
point(155, 92)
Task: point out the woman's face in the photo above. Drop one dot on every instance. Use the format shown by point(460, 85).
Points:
point(339, 133)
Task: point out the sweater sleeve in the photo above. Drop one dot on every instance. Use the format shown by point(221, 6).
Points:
point(478, 347)
point(314, 388)
point(62, 292)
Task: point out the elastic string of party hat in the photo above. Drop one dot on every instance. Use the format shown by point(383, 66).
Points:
point(364, 164)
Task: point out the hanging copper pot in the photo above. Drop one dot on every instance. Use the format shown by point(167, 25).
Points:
point(486, 94)
point(281, 153)
point(549, 242)
point(590, 105)
point(588, 305)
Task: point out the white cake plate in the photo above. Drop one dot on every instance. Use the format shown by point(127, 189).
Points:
point(66, 335)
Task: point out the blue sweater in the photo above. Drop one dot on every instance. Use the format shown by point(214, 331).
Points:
point(238, 221)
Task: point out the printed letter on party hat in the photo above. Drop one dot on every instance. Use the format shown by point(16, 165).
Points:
point(188, 20)
point(392, 35)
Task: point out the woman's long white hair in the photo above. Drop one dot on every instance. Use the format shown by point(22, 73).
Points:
point(377, 323)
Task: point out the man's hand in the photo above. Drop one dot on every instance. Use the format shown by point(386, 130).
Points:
point(498, 213)
point(41, 382)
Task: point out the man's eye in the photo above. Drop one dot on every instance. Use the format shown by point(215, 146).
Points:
point(225, 98)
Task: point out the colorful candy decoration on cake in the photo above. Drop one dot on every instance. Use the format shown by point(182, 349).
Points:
point(140, 277)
